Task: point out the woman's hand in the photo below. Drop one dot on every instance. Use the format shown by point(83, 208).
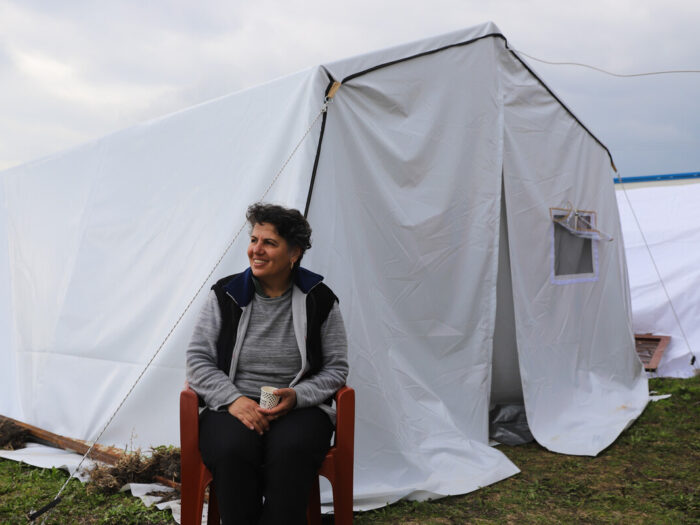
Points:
point(288, 400)
point(249, 413)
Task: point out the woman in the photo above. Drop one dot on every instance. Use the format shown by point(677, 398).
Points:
point(274, 324)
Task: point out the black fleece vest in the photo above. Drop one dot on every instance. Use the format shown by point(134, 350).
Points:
point(319, 302)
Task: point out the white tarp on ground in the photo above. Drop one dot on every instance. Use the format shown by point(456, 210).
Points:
point(669, 217)
point(107, 243)
point(47, 457)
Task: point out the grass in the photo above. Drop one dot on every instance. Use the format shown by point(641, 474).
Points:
point(651, 474)
point(24, 488)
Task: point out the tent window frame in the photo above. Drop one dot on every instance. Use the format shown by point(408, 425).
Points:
point(559, 279)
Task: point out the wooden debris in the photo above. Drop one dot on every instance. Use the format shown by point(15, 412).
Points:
point(12, 436)
point(109, 455)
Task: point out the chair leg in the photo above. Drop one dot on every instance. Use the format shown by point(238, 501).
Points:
point(313, 509)
point(342, 503)
point(192, 490)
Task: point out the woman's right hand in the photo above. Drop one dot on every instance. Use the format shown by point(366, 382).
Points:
point(246, 411)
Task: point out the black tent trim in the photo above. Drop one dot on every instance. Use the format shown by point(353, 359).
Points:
point(331, 80)
point(513, 53)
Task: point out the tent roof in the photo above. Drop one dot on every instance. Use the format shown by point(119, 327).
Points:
point(346, 70)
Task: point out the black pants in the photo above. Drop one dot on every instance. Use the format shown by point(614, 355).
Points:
point(279, 466)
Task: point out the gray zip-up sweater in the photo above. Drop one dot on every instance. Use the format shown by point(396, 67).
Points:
point(217, 388)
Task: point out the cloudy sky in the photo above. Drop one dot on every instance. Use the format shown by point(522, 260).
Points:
point(75, 70)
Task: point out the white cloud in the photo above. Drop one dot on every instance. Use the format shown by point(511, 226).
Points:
point(77, 70)
point(63, 82)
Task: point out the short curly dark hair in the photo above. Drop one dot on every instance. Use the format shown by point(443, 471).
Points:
point(290, 224)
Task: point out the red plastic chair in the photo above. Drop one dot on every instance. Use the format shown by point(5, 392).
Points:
point(337, 467)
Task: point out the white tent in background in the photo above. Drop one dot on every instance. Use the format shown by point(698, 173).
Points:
point(668, 214)
point(436, 173)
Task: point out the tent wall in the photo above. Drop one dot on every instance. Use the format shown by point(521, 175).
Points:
point(9, 378)
point(669, 217)
point(582, 380)
point(410, 175)
point(109, 242)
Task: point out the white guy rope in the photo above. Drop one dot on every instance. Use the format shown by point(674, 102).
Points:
point(622, 75)
point(323, 109)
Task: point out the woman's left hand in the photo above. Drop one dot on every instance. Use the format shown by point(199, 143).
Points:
point(288, 400)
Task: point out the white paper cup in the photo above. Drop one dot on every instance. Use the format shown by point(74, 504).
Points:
point(267, 398)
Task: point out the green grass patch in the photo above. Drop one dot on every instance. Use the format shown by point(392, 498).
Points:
point(24, 488)
point(651, 474)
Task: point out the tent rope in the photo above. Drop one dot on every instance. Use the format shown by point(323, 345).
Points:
point(620, 75)
point(656, 268)
point(48, 508)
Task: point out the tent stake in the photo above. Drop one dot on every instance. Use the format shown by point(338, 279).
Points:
point(45, 508)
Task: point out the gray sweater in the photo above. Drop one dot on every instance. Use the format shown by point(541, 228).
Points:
point(269, 355)
point(218, 389)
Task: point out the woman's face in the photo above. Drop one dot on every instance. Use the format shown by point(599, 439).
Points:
point(269, 254)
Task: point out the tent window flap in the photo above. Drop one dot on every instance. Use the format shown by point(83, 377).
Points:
point(574, 246)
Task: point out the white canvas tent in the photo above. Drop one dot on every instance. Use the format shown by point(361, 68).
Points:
point(660, 220)
point(435, 161)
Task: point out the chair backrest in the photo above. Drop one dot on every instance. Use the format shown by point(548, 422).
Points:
point(189, 420)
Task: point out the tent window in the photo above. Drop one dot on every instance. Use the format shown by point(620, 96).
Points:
point(574, 246)
point(572, 255)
